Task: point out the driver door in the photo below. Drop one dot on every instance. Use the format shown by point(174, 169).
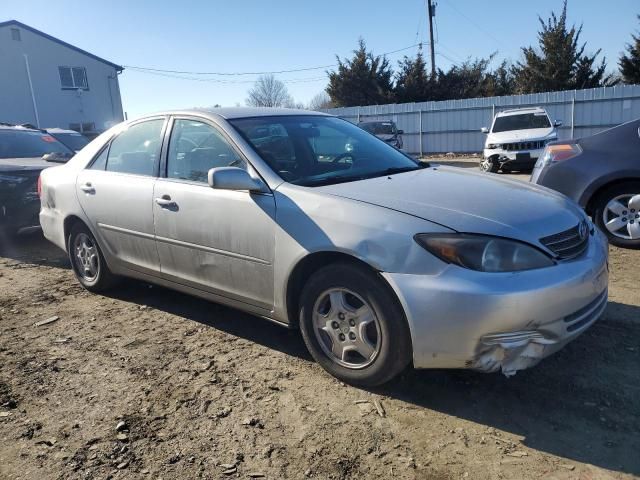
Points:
point(221, 241)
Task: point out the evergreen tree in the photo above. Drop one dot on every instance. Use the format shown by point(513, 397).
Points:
point(630, 62)
point(412, 81)
point(364, 79)
point(561, 62)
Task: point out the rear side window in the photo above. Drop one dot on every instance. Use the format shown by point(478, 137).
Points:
point(137, 150)
point(100, 163)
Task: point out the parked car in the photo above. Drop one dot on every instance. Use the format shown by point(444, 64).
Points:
point(72, 139)
point(384, 130)
point(516, 139)
point(379, 260)
point(24, 152)
point(602, 174)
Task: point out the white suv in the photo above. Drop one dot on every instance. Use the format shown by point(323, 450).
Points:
point(516, 139)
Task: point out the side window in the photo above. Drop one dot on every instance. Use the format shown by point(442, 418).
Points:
point(195, 148)
point(100, 163)
point(137, 149)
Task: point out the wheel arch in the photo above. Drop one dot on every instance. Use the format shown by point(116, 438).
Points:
point(590, 202)
point(310, 264)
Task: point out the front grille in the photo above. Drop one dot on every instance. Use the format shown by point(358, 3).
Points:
point(515, 146)
point(570, 243)
point(586, 314)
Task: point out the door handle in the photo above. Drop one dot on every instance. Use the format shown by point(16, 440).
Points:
point(166, 202)
point(88, 188)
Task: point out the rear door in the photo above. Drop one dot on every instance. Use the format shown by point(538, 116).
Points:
point(116, 193)
point(221, 241)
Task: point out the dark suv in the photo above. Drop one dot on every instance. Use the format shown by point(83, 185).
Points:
point(384, 130)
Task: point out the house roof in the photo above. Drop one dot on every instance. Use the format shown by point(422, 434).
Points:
point(16, 23)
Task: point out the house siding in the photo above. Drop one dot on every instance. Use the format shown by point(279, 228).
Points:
point(100, 104)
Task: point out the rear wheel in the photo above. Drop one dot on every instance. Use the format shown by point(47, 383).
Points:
point(617, 214)
point(87, 260)
point(489, 165)
point(353, 326)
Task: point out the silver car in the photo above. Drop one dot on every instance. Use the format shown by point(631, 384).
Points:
point(307, 220)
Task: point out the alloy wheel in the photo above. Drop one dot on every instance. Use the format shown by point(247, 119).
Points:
point(621, 216)
point(86, 257)
point(346, 328)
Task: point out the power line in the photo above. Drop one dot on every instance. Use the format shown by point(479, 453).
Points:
point(474, 23)
point(306, 69)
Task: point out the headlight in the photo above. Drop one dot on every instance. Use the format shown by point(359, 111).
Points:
point(484, 253)
point(493, 146)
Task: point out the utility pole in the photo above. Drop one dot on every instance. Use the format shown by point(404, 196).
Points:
point(431, 12)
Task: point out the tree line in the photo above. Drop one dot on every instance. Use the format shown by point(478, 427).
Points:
point(558, 62)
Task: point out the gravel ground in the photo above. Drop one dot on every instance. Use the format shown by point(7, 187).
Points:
point(150, 383)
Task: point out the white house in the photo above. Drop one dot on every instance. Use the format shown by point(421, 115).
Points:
point(49, 83)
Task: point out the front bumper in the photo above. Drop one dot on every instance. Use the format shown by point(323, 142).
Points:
point(524, 159)
point(502, 321)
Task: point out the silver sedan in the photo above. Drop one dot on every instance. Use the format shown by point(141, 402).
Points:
point(306, 220)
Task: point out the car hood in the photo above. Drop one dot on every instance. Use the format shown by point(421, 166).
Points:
point(520, 135)
point(386, 136)
point(470, 202)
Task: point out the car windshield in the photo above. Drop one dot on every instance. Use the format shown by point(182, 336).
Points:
point(16, 143)
point(378, 128)
point(312, 151)
point(75, 141)
point(522, 121)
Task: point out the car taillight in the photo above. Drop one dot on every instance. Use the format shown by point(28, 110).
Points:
point(558, 153)
point(39, 187)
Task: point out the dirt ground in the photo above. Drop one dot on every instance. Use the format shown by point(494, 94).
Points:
point(150, 383)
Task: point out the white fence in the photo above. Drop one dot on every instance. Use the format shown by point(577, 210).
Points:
point(454, 125)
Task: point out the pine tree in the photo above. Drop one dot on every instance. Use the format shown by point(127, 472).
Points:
point(364, 79)
point(561, 62)
point(412, 82)
point(630, 62)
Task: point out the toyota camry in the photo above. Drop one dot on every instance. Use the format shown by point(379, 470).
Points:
point(309, 221)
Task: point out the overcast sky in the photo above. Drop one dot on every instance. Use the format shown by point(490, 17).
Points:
point(256, 36)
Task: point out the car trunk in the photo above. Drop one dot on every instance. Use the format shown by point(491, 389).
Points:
point(19, 202)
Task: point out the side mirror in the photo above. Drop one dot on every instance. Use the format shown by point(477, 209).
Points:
point(557, 123)
point(400, 132)
point(484, 130)
point(234, 178)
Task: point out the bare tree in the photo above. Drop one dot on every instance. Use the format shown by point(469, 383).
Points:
point(268, 91)
point(320, 101)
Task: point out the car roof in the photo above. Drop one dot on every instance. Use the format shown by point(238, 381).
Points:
point(6, 126)
point(61, 130)
point(519, 111)
point(230, 113)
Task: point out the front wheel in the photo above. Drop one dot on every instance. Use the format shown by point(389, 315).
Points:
point(489, 165)
point(87, 260)
point(617, 214)
point(353, 325)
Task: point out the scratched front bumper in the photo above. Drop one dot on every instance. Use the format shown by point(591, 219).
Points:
point(457, 317)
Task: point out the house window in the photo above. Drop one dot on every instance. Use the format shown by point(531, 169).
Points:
point(73, 78)
point(15, 34)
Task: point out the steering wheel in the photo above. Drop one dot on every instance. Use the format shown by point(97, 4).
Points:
point(342, 156)
point(188, 140)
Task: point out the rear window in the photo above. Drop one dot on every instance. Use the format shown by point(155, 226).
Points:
point(15, 143)
point(379, 128)
point(524, 121)
point(75, 141)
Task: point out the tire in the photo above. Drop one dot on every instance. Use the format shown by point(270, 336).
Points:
point(613, 208)
point(363, 324)
point(489, 165)
point(87, 260)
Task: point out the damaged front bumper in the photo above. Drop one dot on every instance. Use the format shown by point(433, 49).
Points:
point(502, 321)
